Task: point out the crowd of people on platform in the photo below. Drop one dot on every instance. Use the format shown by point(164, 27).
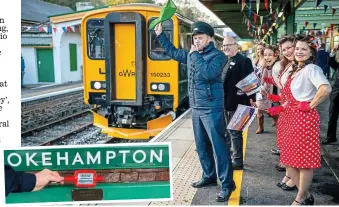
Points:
point(292, 87)
point(301, 86)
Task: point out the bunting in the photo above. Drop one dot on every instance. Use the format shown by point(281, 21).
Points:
point(261, 19)
point(325, 8)
point(49, 29)
point(258, 5)
point(266, 4)
point(314, 25)
point(242, 5)
point(255, 18)
point(318, 2)
point(333, 11)
point(306, 23)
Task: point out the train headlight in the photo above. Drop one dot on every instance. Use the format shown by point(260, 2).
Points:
point(154, 86)
point(161, 87)
point(98, 85)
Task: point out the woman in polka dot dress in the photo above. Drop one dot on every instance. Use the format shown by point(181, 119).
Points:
point(299, 135)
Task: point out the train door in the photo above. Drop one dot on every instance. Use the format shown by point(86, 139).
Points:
point(125, 58)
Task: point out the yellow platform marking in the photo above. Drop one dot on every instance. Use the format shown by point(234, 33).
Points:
point(237, 177)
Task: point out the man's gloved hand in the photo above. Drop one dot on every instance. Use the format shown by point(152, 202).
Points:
point(273, 111)
point(304, 106)
point(269, 80)
point(273, 97)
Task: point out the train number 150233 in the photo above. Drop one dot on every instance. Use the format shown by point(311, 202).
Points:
point(161, 75)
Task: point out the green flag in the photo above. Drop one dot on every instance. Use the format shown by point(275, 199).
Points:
point(166, 13)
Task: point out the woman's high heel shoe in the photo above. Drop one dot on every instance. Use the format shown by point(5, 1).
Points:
point(310, 200)
point(307, 202)
point(288, 188)
point(280, 184)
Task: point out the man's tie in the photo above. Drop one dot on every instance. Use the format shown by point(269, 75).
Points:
point(227, 66)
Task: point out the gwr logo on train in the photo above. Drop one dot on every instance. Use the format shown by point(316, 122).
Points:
point(126, 73)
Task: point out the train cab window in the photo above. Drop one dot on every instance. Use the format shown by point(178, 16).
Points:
point(155, 50)
point(95, 39)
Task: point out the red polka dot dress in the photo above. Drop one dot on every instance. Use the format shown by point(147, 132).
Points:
point(282, 118)
point(298, 135)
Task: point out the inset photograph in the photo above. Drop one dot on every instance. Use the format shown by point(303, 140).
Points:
point(98, 173)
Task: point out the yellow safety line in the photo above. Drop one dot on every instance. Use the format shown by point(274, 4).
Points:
point(237, 177)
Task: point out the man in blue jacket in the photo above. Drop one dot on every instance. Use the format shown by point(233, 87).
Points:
point(206, 96)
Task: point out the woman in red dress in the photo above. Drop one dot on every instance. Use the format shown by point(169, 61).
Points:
point(299, 135)
point(280, 75)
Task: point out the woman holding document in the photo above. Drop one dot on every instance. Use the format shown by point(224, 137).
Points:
point(299, 134)
point(262, 102)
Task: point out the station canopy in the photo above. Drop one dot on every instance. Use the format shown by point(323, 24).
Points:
point(246, 22)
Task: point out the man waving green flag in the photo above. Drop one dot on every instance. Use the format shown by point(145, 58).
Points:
point(166, 13)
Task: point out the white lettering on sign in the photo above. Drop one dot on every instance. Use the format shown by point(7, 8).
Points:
point(59, 158)
point(10, 161)
point(158, 157)
point(124, 155)
point(77, 159)
point(93, 160)
point(109, 156)
point(45, 159)
point(135, 154)
point(30, 159)
point(40, 158)
point(85, 178)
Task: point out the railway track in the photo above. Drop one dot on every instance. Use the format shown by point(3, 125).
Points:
point(63, 129)
point(34, 130)
point(65, 135)
point(72, 130)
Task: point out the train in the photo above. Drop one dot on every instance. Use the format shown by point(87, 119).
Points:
point(138, 88)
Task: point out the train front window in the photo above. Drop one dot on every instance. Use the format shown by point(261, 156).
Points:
point(155, 50)
point(95, 39)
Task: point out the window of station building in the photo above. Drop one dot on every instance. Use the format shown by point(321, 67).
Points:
point(155, 50)
point(95, 39)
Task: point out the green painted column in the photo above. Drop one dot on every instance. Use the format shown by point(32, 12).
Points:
point(290, 18)
point(274, 38)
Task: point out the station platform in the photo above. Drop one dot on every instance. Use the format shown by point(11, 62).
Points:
point(32, 90)
point(256, 184)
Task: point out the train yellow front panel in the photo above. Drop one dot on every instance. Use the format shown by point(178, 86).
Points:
point(125, 73)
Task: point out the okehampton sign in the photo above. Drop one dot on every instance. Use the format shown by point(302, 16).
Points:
point(107, 157)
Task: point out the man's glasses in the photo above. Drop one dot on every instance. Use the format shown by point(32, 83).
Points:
point(228, 45)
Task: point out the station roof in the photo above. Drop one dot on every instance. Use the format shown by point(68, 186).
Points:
point(309, 12)
point(38, 11)
point(36, 40)
point(229, 11)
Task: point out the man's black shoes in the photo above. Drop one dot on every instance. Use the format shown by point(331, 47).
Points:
point(225, 194)
point(204, 183)
point(328, 140)
point(237, 166)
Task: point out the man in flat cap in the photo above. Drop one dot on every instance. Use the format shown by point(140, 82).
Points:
point(206, 96)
